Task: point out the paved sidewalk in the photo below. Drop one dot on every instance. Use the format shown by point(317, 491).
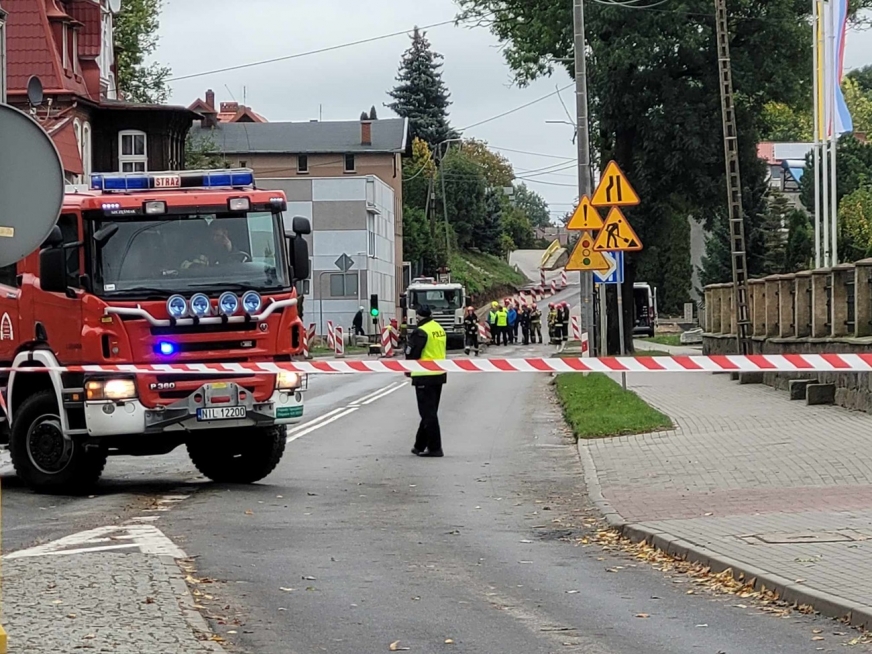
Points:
point(748, 480)
point(100, 602)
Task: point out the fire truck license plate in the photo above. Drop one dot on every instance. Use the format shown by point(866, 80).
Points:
point(221, 413)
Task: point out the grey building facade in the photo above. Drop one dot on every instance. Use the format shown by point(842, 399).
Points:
point(353, 216)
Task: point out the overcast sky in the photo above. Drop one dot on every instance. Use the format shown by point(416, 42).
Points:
point(203, 35)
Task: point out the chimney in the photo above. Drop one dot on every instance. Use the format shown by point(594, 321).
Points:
point(210, 98)
point(366, 132)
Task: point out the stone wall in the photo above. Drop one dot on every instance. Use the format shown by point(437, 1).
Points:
point(812, 312)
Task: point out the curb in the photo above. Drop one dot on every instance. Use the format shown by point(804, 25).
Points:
point(826, 604)
point(186, 602)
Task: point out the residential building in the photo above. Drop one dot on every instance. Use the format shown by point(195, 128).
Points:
point(333, 149)
point(786, 163)
point(67, 48)
point(227, 112)
point(353, 216)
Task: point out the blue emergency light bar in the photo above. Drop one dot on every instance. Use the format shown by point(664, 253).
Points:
point(183, 179)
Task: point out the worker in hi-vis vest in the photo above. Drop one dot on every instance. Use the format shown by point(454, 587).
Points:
point(428, 342)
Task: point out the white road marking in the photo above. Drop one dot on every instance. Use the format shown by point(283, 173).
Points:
point(365, 398)
point(147, 538)
point(294, 430)
point(320, 424)
point(385, 393)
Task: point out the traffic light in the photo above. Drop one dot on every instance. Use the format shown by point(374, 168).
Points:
point(373, 305)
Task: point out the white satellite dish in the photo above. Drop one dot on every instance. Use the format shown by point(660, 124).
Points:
point(114, 6)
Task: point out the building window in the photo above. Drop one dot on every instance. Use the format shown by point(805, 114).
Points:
point(74, 54)
point(243, 163)
point(65, 46)
point(132, 152)
point(349, 163)
point(302, 164)
point(86, 150)
point(370, 234)
point(343, 285)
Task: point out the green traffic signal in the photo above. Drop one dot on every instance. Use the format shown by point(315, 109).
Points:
point(373, 312)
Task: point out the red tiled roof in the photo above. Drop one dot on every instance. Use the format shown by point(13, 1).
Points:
point(31, 49)
point(87, 12)
point(201, 107)
point(64, 137)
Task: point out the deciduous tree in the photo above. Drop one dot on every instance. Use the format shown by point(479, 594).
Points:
point(136, 38)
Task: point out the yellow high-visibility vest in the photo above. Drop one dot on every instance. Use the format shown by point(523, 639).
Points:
point(502, 318)
point(436, 347)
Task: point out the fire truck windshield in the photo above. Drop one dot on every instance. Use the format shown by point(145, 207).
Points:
point(178, 253)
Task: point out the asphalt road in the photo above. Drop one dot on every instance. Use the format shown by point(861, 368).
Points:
point(130, 484)
point(353, 544)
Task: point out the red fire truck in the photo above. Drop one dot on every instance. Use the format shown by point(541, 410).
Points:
point(154, 268)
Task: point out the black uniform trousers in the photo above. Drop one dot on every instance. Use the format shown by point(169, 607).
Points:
point(429, 436)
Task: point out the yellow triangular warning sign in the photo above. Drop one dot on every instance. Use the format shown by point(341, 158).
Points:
point(584, 257)
point(617, 234)
point(585, 216)
point(614, 189)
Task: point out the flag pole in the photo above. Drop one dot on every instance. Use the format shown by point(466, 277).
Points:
point(834, 81)
point(822, 89)
point(817, 141)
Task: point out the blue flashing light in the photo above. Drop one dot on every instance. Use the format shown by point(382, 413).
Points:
point(251, 302)
point(228, 303)
point(171, 180)
point(166, 348)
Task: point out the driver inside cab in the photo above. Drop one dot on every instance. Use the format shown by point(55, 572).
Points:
point(219, 251)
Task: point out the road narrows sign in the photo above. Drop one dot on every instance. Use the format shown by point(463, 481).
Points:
point(585, 216)
point(614, 189)
point(584, 257)
point(617, 235)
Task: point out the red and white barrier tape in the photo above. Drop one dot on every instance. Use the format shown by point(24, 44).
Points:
point(716, 363)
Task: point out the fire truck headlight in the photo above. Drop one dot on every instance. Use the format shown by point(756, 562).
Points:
point(154, 208)
point(177, 306)
point(200, 305)
point(238, 204)
point(287, 380)
point(110, 389)
point(251, 302)
point(228, 303)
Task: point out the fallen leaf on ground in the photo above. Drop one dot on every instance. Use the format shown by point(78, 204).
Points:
point(232, 631)
point(287, 590)
point(571, 592)
point(395, 647)
point(817, 637)
point(642, 615)
point(309, 578)
point(449, 641)
point(249, 512)
point(817, 631)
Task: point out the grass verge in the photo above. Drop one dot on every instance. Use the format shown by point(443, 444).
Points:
point(595, 406)
point(673, 340)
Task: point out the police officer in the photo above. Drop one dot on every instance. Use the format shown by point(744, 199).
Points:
point(428, 342)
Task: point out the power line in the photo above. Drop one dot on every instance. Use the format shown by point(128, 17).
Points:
point(511, 111)
point(308, 53)
point(534, 154)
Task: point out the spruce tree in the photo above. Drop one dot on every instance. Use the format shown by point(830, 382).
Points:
point(488, 236)
point(421, 95)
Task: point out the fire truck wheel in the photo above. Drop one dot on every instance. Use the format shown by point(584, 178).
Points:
point(239, 456)
point(44, 458)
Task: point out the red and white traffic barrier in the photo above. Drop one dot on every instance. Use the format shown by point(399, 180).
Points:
point(585, 345)
point(484, 333)
point(542, 277)
point(553, 287)
point(575, 322)
point(387, 343)
point(312, 333)
point(305, 352)
point(800, 363)
point(331, 336)
point(564, 282)
point(395, 334)
point(338, 343)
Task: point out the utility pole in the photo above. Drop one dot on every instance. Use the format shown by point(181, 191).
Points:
point(585, 180)
point(734, 184)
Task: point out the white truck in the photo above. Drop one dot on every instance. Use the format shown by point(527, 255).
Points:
point(446, 301)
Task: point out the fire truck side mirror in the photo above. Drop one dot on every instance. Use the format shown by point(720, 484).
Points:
point(301, 225)
point(53, 270)
point(54, 239)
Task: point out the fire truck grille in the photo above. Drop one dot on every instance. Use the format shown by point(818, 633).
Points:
point(236, 327)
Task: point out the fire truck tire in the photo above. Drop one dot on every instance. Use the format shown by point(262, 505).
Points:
point(240, 456)
point(46, 460)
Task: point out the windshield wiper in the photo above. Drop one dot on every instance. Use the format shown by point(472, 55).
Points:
point(140, 289)
point(234, 286)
